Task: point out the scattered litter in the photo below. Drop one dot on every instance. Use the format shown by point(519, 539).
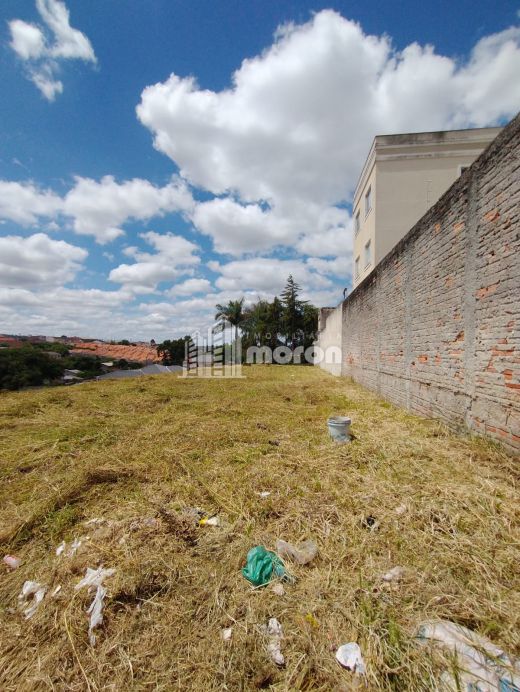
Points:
point(74, 547)
point(370, 522)
point(72, 550)
point(264, 493)
point(96, 612)
point(56, 591)
point(395, 574)
point(211, 521)
point(12, 561)
point(302, 553)
point(349, 656)
point(401, 510)
point(227, 633)
point(278, 589)
point(37, 591)
point(273, 630)
point(261, 565)
point(94, 578)
point(484, 667)
point(309, 617)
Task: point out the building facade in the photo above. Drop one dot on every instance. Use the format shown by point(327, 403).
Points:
point(403, 176)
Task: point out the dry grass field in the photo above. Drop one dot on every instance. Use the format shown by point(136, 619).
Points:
point(136, 453)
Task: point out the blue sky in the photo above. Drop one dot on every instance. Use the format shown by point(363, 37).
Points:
point(159, 156)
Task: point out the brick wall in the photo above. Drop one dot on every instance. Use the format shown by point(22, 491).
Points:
point(435, 327)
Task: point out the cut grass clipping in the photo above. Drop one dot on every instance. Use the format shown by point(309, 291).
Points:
point(137, 455)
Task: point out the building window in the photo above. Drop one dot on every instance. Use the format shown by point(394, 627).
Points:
point(356, 268)
point(368, 200)
point(368, 254)
point(357, 224)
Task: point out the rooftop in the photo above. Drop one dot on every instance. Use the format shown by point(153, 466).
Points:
point(137, 354)
point(439, 142)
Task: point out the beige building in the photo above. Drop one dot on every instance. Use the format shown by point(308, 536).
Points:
point(403, 176)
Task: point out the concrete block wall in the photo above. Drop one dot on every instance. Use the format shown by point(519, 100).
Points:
point(436, 327)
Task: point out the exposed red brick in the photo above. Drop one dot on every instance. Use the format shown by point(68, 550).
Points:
point(486, 291)
point(503, 352)
point(492, 215)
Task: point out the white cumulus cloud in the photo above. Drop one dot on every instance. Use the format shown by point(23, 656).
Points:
point(24, 203)
point(265, 274)
point(42, 48)
point(96, 208)
point(190, 287)
point(173, 257)
point(100, 208)
point(292, 131)
point(38, 261)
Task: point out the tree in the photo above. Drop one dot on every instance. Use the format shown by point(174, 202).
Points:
point(172, 351)
point(27, 367)
point(233, 312)
point(292, 312)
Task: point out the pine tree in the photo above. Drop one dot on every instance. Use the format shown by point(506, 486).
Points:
point(292, 312)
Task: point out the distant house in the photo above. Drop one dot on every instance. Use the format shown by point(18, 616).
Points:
point(115, 352)
point(403, 176)
point(71, 376)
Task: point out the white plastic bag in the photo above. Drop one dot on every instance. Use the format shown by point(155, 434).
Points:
point(483, 666)
point(302, 553)
point(37, 591)
point(94, 579)
point(349, 656)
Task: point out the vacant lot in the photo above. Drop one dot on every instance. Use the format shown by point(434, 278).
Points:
point(136, 453)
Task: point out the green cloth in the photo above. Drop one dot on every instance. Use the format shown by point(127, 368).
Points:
point(260, 566)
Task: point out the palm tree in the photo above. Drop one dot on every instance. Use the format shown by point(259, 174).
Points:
point(233, 312)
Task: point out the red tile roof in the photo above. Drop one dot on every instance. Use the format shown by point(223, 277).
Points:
point(137, 354)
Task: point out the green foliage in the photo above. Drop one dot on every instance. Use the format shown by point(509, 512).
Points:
point(233, 312)
point(172, 351)
point(58, 521)
point(287, 320)
point(56, 347)
point(31, 366)
point(90, 366)
point(28, 367)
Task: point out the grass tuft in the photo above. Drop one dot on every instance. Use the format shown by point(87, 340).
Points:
point(138, 456)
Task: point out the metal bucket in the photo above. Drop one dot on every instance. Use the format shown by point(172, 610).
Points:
point(339, 428)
